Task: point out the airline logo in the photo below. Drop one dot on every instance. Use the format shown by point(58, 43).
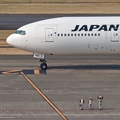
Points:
point(95, 27)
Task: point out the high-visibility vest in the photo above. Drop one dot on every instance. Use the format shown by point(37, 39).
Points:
point(90, 101)
point(100, 101)
point(82, 101)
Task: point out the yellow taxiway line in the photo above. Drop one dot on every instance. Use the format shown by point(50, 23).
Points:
point(11, 72)
point(44, 96)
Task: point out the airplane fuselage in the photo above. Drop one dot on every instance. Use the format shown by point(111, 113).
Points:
point(69, 36)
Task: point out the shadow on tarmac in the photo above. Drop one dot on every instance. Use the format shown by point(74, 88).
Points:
point(82, 67)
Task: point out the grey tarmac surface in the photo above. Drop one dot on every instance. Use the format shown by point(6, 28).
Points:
point(14, 21)
point(65, 82)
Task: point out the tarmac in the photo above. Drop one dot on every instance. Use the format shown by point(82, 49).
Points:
point(66, 80)
point(14, 21)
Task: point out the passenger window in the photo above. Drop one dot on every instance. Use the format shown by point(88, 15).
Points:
point(61, 34)
point(68, 34)
point(71, 34)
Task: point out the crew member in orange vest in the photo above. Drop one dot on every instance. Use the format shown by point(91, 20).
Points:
point(90, 103)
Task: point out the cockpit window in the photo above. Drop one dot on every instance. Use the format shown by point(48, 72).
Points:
point(21, 32)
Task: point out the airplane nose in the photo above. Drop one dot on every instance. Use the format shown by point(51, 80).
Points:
point(9, 39)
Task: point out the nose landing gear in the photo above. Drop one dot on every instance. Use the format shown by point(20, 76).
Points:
point(43, 64)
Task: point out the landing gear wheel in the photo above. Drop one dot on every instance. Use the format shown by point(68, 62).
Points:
point(43, 66)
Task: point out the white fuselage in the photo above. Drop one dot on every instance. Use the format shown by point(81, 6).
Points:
point(70, 36)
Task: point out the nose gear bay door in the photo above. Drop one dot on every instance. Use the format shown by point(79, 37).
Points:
point(49, 35)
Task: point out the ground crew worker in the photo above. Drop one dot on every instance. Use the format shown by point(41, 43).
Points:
point(81, 103)
point(100, 98)
point(90, 103)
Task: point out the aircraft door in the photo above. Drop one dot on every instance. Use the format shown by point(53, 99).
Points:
point(49, 34)
point(114, 36)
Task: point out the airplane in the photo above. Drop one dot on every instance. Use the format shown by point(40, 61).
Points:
point(69, 36)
